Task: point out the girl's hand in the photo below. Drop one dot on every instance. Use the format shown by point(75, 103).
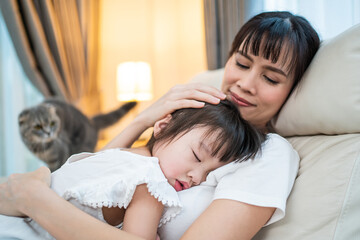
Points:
point(14, 193)
point(193, 95)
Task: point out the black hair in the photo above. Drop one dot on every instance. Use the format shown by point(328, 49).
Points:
point(270, 33)
point(236, 140)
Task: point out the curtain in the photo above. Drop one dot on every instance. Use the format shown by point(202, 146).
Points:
point(223, 19)
point(57, 44)
point(16, 93)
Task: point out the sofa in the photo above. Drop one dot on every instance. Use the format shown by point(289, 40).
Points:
point(321, 119)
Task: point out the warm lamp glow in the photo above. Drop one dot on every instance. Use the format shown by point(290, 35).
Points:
point(134, 81)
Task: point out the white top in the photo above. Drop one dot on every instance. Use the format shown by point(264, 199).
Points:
point(109, 178)
point(264, 181)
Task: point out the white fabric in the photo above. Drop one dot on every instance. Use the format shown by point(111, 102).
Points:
point(109, 179)
point(91, 181)
point(264, 181)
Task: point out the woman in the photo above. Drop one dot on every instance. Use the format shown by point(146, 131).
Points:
point(269, 55)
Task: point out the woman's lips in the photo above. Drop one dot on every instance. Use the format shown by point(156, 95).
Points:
point(240, 101)
point(180, 185)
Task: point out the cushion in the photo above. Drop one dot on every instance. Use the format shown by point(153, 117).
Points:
point(327, 100)
point(324, 202)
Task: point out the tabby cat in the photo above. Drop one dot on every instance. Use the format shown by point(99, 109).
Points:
point(54, 130)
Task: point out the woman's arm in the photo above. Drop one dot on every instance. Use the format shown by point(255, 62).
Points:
point(181, 96)
point(228, 219)
point(28, 194)
point(143, 214)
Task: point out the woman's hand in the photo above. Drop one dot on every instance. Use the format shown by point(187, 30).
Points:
point(15, 192)
point(193, 95)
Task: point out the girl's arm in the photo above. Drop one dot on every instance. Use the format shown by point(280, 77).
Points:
point(229, 219)
point(181, 96)
point(28, 194)
point(143, 214)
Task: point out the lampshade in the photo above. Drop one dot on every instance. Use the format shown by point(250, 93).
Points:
point(134, 81)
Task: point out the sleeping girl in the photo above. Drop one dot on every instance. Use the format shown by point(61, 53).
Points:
point(135, 189)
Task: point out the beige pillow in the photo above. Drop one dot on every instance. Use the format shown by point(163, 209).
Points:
point(329, 98)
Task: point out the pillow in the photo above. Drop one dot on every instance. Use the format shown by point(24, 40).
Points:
point(327, 101)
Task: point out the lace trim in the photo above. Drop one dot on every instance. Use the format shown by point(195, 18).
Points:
point(96, 197)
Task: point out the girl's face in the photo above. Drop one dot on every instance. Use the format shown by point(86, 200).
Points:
point(256, 86)
point(187, 160)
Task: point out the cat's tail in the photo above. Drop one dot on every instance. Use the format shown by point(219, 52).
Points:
point(107, 119)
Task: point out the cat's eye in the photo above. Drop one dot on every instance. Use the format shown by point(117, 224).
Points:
point(52, 124)
point(37, 127)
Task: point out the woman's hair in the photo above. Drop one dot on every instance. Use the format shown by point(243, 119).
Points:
point(269, 33)
point(235, 138)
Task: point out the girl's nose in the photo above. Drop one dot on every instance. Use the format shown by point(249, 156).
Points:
point(197, 176)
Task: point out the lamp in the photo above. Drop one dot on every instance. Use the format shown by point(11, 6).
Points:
point(134, 81)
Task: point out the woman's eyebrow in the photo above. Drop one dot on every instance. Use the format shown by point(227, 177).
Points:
point(277, 70)
point(271, 68)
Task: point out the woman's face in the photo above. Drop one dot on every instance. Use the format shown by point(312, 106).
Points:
point(256, 86)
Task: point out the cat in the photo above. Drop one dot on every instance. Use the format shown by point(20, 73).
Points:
point(54, 130)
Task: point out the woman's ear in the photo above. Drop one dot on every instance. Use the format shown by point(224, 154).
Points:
point(161, 124)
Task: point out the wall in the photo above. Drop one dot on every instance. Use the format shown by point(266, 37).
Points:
point(169, 34)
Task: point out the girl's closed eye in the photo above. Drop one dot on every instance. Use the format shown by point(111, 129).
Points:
point(196, 157)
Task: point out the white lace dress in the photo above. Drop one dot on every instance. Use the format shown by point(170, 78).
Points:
point(91, 181)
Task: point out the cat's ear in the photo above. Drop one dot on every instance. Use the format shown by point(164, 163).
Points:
point(161, 124)
point(23, 116)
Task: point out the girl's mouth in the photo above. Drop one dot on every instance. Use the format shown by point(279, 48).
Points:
point(180, 185)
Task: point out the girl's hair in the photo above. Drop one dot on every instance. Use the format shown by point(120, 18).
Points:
point(235, 138)
point(269, 33)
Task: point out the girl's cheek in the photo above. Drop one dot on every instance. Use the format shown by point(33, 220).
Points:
point(174, 171)
point(170, 170)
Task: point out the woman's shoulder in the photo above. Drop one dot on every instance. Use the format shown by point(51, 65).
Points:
point(276, 154)
point(276, 150)
point(275, 143)
point(274, 138)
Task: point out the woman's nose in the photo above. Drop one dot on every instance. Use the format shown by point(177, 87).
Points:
point(247, 82)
